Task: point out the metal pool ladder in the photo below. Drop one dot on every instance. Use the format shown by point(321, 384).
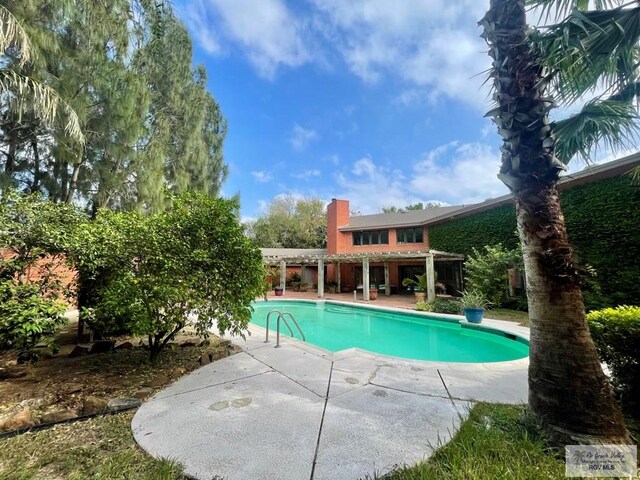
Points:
point(282, 316)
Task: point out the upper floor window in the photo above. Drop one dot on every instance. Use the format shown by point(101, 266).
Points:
point(371, 237)
point(410, 235)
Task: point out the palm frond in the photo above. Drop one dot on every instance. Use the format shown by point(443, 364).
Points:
point(12, 34)
point(27, 94)
point(635, 175)
point(559, 9)
point(592, 48)
point(610, 122)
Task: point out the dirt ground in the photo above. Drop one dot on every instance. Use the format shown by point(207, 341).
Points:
point(63, 386)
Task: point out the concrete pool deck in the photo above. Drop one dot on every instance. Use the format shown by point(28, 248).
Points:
point(301, 412)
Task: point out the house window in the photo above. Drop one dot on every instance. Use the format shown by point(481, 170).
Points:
point(371, 237)
point(410, 235)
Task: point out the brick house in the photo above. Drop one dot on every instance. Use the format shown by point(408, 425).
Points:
point(381, 250)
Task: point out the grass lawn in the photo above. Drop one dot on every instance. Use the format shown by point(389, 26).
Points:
point(510, 315)
point(495, 442)
point(101, 448)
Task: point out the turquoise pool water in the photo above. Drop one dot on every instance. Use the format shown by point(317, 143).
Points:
point(336, 327)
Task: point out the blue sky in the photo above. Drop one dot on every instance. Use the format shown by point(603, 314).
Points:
point(376, 101)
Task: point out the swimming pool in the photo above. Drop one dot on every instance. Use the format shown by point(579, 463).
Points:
point(335, 327)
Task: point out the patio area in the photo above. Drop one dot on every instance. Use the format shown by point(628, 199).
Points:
point(301, 412)
point(396, 301)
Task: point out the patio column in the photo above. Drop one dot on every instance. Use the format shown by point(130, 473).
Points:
point(338, 290)
point(387, 280)
point(431, 278)
point(365, 279)
point(320, 278)
point(303, 271)
point(283, 275)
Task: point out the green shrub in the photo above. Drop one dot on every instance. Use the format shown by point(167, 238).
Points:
point(486, 271)
point(441, 305)
point(27, 316)
point(616, 333)
point(191, 264)
point(423, 307)
point(33, 233)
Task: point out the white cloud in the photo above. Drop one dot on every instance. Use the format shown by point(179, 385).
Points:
point(453, 174)
point(434, 45)
point(262, 176)
point(301, 137)
point(199, 23)
point(306, 174)
point(459, 173)
point(266, 31)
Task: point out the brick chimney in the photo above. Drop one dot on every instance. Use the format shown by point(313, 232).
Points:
point(337, 216)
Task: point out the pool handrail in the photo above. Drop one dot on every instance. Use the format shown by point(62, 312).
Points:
point(282, 316)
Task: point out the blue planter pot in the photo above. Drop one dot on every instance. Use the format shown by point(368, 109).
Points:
point(474, 315)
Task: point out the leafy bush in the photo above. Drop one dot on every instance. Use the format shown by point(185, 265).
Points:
point(423, 307)
point(487, 271)
point(27, 316)
point(33, 233)
point(440, 305)
point(191, 264)
point(616, 333)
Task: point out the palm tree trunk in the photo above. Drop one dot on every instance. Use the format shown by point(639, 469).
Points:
point(568, 390)
point(567, 387)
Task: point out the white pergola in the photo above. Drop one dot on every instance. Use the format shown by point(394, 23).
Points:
point(364, 258)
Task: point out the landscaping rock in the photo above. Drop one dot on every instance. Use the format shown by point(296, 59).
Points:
point(18, 421)
point(159, 381)
point(188, 343)
point(9, 374)
point(143, 393)
point(178, 372)
point(58, 416)
point(205, 343)
point(205, 359)
point(218, 354)
point(102, 346)
point(91, 405)
point(79, 350)
point(33, 402)
point(73, 388)
point(123, 403)
point(124, 346)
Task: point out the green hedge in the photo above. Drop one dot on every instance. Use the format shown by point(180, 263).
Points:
point(616, 334)
point(603, 221)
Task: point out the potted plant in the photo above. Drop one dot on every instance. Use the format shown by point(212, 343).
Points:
point(474, 303)
point(419, 286)
point(303, 287)
point(332, 286)
point(278, 291)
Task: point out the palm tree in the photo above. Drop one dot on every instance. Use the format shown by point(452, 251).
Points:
point(22, 93)
point(568, 390)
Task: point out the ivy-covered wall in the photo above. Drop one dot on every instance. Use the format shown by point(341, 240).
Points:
point(603, 221)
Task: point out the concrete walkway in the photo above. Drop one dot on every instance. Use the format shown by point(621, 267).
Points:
point(299, 412)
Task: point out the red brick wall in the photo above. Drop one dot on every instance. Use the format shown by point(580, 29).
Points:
point(59, 268)
point(337, 216)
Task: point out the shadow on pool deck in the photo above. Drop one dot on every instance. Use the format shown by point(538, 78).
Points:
point(300, 412)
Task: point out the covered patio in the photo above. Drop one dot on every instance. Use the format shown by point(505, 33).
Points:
point(335, 262)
